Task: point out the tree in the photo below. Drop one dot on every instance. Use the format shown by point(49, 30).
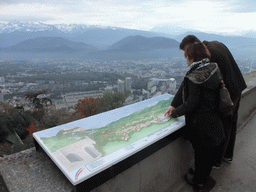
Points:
point(87, 107)
point(55, 117)
point(5, 122)
point(112, 100)
point(31, 128)
point(22, 120)
point(39, 103)
point(13, 120)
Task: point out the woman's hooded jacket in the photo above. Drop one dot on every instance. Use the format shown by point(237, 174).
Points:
point(199, 103)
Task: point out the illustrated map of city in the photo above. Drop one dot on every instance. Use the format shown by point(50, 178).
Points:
point(85, 147)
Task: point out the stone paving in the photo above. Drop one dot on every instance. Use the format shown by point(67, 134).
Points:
point(240, 175)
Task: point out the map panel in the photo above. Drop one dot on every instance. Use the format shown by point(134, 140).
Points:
point(90, 145)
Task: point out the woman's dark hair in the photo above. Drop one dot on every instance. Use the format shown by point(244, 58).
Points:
point(188, 40)
point(197, 52)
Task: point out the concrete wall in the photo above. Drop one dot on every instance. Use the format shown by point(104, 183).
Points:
point(247, 106)
point(158, 172)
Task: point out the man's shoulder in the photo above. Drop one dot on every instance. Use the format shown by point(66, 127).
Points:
point(216, 47)
point(207, 43)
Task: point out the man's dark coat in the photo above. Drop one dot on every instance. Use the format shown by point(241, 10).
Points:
point(231, 74)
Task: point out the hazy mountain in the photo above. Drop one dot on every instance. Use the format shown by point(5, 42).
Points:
point(49, 44)
point(251, 34)
point(16, 32)
point(19, 26)
point(80, 41)
point(172, 29)
point(132, 47)
point(140, 48)
point(104, 37)
point(140, 43)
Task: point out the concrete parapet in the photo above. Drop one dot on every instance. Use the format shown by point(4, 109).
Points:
point(247, 106)
point(158, 172)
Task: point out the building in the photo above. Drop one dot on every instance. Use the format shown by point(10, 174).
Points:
point(164, 85)
point(71, 99)
point(1, 96)
point(128, 83)
point(153, 82)
point(109, 88)
point(77, 154)
point(2, 81)
point(172, 84)
point(120, 84)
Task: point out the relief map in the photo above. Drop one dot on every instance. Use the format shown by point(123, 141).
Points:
point(75, 146)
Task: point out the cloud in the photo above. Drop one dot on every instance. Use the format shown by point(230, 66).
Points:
point(63, 2)
point(25, 18)
point(206, 15)
point(243, 6)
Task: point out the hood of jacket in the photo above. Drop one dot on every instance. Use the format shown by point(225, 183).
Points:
point(205, 73)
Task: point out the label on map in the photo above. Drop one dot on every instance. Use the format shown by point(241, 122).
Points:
point(95, 164)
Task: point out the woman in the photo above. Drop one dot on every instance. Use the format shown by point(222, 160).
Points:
point(199, 104)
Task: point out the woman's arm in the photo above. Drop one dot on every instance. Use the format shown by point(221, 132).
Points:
point(177, 100)
point(192, 101)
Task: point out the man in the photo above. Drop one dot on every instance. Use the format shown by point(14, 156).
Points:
point(235, 84)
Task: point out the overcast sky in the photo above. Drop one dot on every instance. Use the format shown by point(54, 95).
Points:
point(204, 15)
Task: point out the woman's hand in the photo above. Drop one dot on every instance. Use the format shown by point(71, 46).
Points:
point(169, 111)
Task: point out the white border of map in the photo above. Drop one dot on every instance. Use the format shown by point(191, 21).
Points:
point(81, 174)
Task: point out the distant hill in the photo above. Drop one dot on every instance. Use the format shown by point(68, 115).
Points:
point(131, 47)
point(49, 44)
point(140, 43)
point(105, 37)
point(139, 48)
point(15, 37)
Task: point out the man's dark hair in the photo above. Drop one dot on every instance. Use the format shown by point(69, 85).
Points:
point(188, 40)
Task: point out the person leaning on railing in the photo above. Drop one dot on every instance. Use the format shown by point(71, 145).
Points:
point(199, 101)
point(235, 84)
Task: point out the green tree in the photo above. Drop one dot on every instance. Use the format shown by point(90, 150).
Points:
point(40, 103)
point(13, 120)
point(55, 117)
point(5, 122)
point(112, 100)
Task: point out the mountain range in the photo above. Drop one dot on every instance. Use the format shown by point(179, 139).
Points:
point(139, 43)
point(49, 44)
point(34, 39)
